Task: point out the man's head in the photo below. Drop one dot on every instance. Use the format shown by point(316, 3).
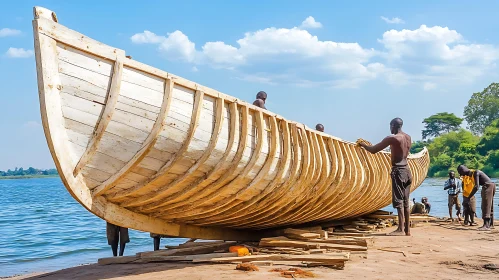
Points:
point(319, 127)
point(261, 95)
point(463, 170)
point(396, 125)
point(452, 175)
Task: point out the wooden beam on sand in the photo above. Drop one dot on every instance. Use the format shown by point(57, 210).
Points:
point(138, 259)
point(284, 242)
point(324, 258)
point(300, 234)
point(204, 249)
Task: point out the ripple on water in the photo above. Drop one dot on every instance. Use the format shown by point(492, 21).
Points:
point(49, 230)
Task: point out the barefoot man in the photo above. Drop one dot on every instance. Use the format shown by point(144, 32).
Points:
point(400, 144)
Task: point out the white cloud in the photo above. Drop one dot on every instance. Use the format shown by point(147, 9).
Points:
point(429, 86)
point(5, 32)
point(310, 22)
point(175, 46)
point(19, 53)
point(394, 20)
point(427, 57)
point(436, 55)
point(146, 37)
point(194, 69)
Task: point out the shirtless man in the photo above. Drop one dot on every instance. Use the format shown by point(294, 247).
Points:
point(488, 191)
point(400, 144)
point(319, 127)
point(261, 96)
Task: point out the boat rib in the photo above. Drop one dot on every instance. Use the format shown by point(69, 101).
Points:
point(145, 149)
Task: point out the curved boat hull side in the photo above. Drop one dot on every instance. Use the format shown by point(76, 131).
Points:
point(144, 149)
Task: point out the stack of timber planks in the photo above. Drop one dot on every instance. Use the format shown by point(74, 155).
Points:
point(330, 244)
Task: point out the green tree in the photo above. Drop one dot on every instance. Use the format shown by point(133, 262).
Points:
point(449, 143)
point(482, 108)
point(492, 159)
point(418, 146)
point(490, 138)
point(440, 123)
point(31, 171)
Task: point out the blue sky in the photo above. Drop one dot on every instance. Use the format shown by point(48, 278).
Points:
point(351, 66)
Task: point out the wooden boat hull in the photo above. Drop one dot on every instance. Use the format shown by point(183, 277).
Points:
point(148, 150)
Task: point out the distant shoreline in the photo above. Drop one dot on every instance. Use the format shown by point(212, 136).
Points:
point(27, 177)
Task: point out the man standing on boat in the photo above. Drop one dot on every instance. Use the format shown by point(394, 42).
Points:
point(477, 178)
point(453, 187)
point(261, 96)
point(319, 127)
point(400, 145)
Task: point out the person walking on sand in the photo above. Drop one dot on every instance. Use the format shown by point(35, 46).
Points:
point(477, 178)
point(453, 187)
point(400, 145)
point(319, 127)
point(261, 96)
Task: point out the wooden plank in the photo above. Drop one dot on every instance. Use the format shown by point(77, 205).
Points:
point(158, 199)
point(138, 259)
point(210, 190)
point(205, 249)
point(343, 241)
point(146, 146)
point(193, 244)
point(272, 242)
point(145, 187)
point(77, 40)
point(221, 164)
point(105, 118)
point(329, 258)
point(184, 258)
point(300, 234)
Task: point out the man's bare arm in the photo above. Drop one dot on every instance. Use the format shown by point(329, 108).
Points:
point(378, 147)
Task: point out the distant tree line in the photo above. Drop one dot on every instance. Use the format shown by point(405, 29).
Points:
point(28, 172)
point(477, 146)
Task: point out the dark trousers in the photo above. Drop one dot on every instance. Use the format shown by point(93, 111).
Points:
point(488, 192)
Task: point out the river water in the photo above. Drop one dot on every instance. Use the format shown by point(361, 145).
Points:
point(42, 228)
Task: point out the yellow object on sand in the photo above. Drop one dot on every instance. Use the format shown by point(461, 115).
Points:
point(468, 183)
point(240, 250)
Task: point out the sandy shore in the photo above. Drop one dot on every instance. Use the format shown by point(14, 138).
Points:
point(435, 251)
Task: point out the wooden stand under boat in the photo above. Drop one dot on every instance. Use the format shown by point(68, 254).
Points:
point(148, 150)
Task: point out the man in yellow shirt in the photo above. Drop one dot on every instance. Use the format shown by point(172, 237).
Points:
point(472, 180)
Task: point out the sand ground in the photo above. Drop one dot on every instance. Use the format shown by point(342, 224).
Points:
point(435, 251)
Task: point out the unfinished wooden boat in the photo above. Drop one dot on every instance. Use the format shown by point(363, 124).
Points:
point(151, 151)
